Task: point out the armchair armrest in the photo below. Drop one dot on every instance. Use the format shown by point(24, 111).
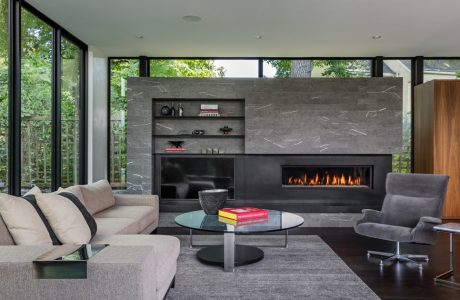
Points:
point(136, 200)
point(431, 220)
point(370, 216)
point(423, 232)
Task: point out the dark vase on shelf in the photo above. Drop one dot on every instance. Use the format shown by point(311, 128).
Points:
point(165, 110)
point(172, 110)
point(212, 200)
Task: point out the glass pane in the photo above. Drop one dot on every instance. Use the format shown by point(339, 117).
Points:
point(3, 95)
point(203, 68)
point(120, 70)
point(70, 112)
point(316, 68)
point(441, 69)
point(402, 68)
point(36, 63)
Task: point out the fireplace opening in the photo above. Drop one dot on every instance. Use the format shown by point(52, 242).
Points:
point(326, 176)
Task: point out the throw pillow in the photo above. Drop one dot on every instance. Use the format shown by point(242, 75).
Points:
point(75, 189)
point(98, 196)
point(23, 222)
point(65, 217)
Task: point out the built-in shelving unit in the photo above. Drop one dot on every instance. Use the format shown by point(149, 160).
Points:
point(167, 128)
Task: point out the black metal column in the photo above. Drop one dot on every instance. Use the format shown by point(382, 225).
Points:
point(261, 68)
point(56, 111)
point(14, 98)
point(377, 66)
point(144, 66)
point(417, 78)
point(83, 117)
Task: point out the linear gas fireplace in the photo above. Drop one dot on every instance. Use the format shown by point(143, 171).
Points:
point(326, 176)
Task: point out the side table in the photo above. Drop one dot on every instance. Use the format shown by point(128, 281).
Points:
point(450, 228)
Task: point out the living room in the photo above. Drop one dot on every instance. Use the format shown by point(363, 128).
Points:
point(246, 149)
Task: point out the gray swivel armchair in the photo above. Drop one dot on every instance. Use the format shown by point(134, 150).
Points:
point(412, 207)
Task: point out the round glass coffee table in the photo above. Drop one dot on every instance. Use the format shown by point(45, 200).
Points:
point(230, 255)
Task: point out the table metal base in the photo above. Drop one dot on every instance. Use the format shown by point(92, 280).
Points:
point(442, 278)
point(243, 255)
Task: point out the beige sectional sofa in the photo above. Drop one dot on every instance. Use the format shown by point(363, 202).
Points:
point(136, 265)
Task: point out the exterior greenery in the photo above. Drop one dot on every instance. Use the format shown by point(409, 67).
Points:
point(36, 96)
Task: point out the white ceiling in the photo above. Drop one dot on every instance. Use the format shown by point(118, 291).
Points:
point(289, 28)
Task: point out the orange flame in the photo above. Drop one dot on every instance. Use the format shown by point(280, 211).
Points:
point(325, 180)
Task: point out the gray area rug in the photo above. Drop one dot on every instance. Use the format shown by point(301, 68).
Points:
point(307, 269)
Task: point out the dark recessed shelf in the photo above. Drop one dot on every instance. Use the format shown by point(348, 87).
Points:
point(203, 118)
point(204, 136)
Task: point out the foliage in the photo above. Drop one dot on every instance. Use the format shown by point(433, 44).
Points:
point(328, 68)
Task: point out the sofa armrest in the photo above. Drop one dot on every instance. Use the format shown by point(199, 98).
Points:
point(136, 200)
point(117, 272)
point(370, 216)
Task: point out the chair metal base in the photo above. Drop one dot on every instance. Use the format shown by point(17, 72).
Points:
point(397, 256)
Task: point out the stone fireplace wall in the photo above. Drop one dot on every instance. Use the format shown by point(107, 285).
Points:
point(282, 116)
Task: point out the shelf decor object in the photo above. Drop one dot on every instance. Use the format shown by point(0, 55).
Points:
point(165, 111)
point(226, 130)
point(209, 110)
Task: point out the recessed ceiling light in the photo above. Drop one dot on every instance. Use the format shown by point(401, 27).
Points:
point(191, 18)
point(139, 36)
point(376, 37)
point(258, 37)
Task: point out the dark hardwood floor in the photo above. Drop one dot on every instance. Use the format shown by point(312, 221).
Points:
point(397, 281)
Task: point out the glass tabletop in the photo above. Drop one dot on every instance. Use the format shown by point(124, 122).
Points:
point(277, 220)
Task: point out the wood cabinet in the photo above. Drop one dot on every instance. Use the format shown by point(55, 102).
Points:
point(437, 136)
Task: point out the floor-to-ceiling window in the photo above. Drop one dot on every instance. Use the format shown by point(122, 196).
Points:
point(3, 95)
point(36, 101)
point(120, 70)
point(71, 59)
point(316, 68)
point(402, 68)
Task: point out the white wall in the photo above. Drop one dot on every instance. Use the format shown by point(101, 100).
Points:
point(97, 115)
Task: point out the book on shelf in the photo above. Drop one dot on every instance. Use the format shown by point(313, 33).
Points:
point(247, 222)
point(243, 213)
point(174, 149)
point(209, 110)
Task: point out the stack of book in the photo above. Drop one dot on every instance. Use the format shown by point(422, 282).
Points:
point(243, 216)
point(209, 110)
point(175, 149)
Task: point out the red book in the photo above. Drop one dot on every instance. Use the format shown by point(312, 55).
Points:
point(243, 213)
point(175, 149)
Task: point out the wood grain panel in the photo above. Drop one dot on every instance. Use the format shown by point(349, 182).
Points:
point(437, 136)
point(447, 140)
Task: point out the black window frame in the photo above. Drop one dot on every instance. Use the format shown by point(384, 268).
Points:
point(14, 98)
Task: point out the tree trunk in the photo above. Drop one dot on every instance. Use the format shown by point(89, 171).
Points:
point(301, 68)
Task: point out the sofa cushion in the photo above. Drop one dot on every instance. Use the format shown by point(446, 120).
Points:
point(74, 189)
point(142, 215)
point(97, 196)
point(65, 217)
point(23, 222)
point(107, 226)
point(5, 235)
